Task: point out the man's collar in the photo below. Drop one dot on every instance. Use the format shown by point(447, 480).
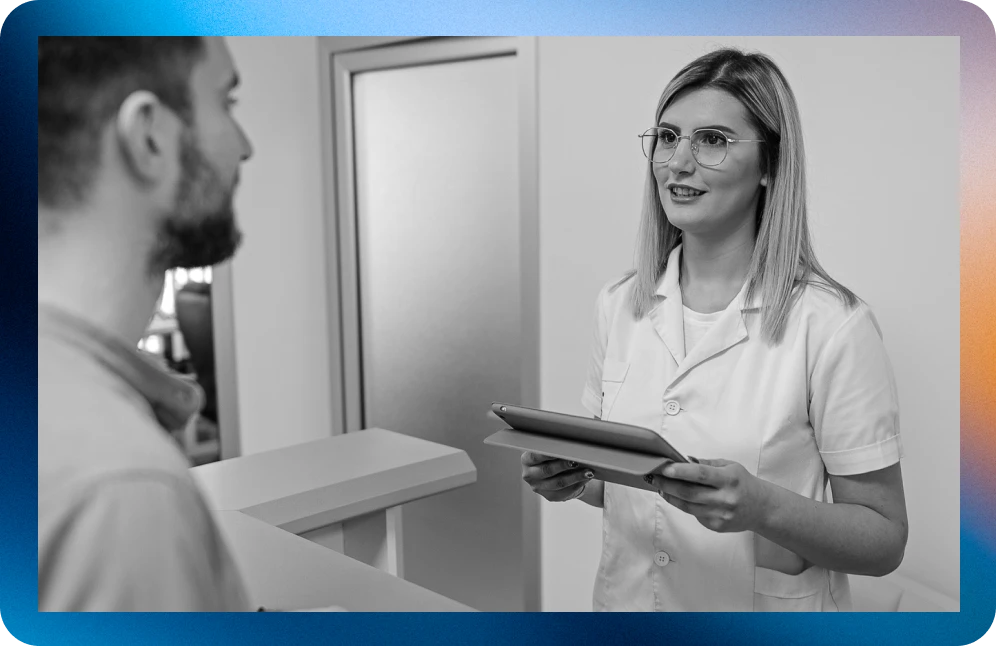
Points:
point(173, 400)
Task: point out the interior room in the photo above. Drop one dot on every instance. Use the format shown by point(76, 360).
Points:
point(427, 225)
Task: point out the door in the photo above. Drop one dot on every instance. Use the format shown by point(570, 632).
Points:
point(436, 252)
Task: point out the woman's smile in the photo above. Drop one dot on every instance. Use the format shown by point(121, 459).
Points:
point(684, 194)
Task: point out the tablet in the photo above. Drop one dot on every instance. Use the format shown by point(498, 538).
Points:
point(588, 430)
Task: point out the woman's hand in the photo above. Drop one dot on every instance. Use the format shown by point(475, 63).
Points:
point(555, 479)
point(722, 495)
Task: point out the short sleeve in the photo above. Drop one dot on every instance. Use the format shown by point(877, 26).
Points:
point(141, 544)
point(854, 403)
point(591, 396)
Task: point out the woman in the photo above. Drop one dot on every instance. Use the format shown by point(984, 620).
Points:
point(732, 341)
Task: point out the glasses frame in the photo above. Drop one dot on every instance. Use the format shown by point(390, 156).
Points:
point(695, 155)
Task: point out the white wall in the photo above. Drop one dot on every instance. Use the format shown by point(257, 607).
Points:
point(884, 212)
point(279, 275)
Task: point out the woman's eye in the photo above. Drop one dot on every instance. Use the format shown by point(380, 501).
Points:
point(714, 140)
point(668, 137)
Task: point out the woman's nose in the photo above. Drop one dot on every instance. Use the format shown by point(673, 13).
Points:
point(247, 148)
point(683, 161)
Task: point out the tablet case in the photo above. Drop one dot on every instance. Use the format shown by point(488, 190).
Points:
point(608, 463)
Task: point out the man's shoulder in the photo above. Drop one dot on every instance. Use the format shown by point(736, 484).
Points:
point(92, 424)
point(137, 540)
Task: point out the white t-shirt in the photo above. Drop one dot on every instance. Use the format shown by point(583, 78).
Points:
point(823, 400)
point(696, 325)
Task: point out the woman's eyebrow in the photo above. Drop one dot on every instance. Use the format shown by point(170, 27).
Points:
point(727, 130)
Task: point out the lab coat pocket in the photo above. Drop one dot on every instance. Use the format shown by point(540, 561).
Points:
point(776, 591)
point(613, 375)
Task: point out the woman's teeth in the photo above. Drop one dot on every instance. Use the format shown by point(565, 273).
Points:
point(685, 192)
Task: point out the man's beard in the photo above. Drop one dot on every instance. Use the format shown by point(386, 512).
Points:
point(200, 231)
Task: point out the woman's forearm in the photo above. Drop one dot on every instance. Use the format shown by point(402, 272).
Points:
point(594, 493)
point(842, 537)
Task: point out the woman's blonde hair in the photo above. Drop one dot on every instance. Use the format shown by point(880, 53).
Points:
point(783, 252)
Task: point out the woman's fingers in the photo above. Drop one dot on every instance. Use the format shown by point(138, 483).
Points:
point(563, 480)
point(671, 489)
point(699, 473)
point(700, 512)
point(553, 478)
point(688, 491)
point(536, 467)
point(531, 459)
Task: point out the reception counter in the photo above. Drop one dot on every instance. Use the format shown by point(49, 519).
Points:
point(321, 524)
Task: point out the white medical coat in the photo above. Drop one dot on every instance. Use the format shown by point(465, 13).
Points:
point(822, 401)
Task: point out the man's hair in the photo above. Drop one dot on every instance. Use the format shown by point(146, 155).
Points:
point(82, 82)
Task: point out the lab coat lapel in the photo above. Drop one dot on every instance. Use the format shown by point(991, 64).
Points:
point(728, 331)
point(667, 316)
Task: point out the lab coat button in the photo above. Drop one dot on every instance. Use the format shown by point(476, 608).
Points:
point(662, 558)
point(671, 407)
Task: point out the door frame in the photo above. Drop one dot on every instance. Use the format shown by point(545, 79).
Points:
point(336, 68)
point(225, 373)
point(222, 288)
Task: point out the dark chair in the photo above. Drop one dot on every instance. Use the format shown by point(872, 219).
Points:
point(193, 315)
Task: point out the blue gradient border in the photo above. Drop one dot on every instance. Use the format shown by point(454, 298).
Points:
point(18, 323)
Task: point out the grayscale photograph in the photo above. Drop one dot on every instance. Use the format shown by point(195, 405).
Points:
point(499, 324)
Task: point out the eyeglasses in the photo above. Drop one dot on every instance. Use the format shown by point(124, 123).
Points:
point(709, 147)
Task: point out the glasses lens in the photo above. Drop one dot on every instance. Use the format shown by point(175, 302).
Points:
point(659, 144)
point(648, 140)
point(709, 146)
point(651, 141)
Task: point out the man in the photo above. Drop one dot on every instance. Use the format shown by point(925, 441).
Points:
point(138, 158)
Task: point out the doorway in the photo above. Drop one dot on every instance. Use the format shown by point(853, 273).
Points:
point(434, 240)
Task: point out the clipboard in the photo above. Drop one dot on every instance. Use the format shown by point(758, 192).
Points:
point(619, 453)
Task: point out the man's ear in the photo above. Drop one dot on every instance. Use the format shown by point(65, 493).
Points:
point(146, 135)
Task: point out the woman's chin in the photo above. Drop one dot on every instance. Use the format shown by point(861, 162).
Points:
point(682, 219)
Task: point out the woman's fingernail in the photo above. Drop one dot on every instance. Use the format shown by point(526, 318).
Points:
point(589, 474)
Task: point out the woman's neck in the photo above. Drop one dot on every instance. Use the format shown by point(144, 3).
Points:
point(713, 270)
